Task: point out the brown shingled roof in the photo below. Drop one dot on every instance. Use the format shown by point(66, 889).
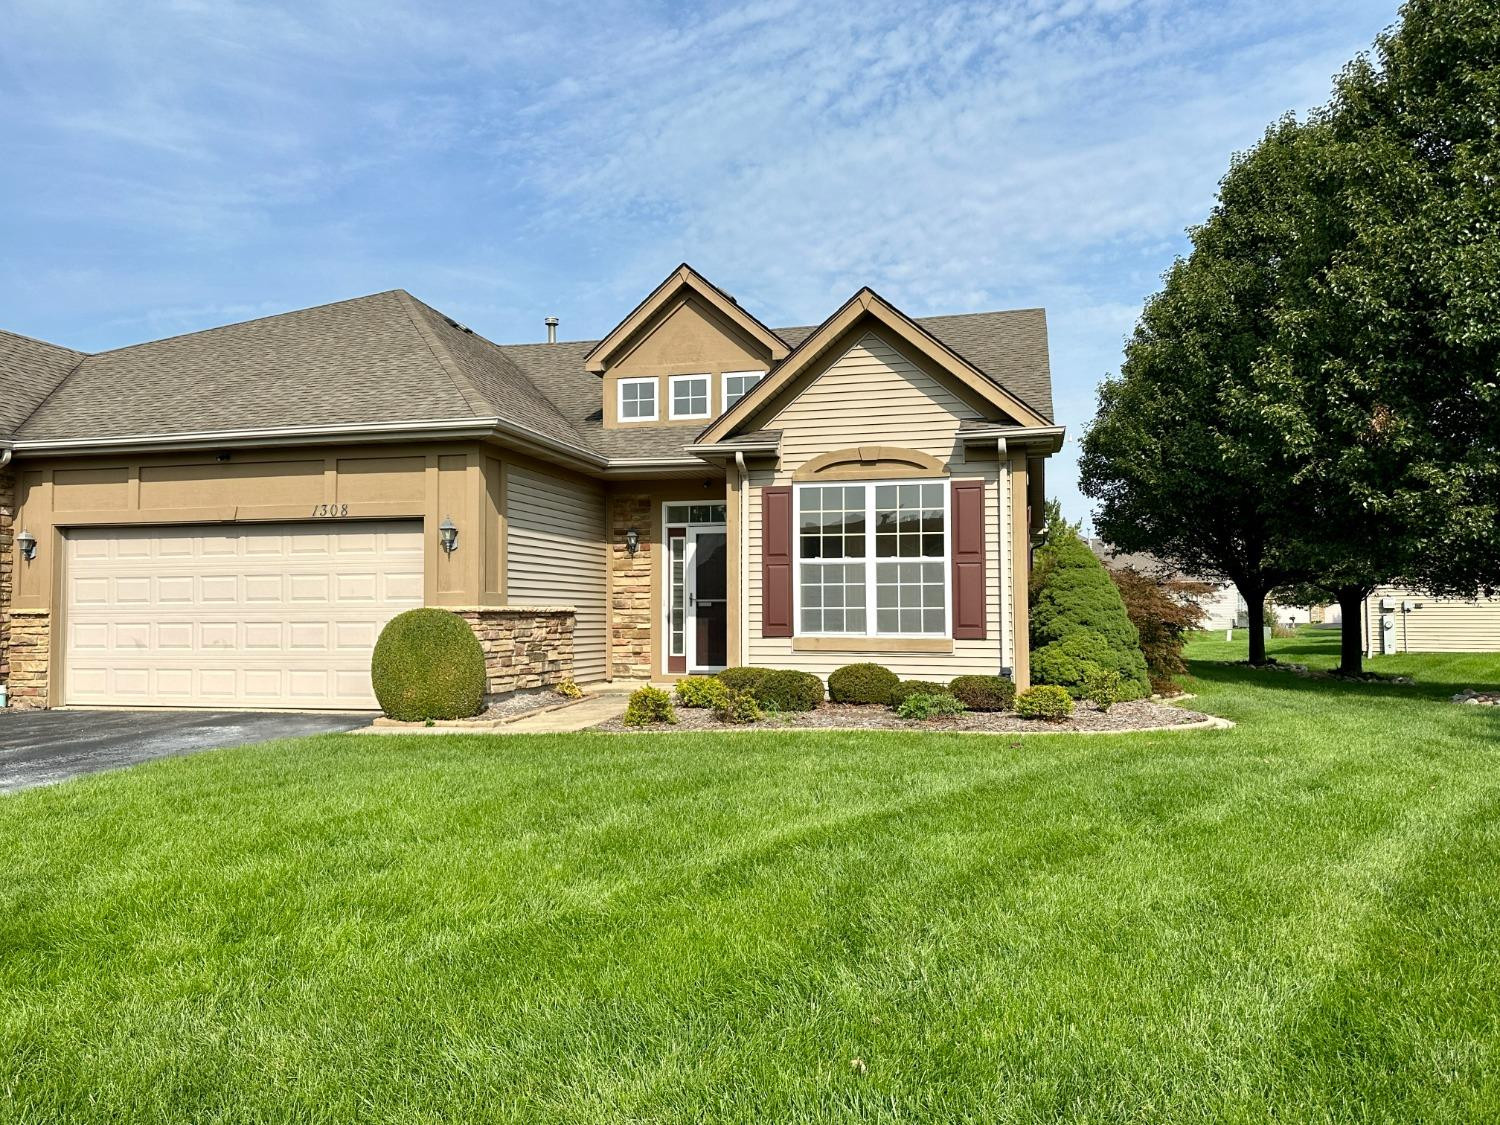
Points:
point(30, 370)
point(390, 358)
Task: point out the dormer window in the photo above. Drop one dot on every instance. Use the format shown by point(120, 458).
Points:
point(737, 385)
point(637, 400)
point(690, 396)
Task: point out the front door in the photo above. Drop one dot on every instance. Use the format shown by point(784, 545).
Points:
point(697, 607)
point(708, 605)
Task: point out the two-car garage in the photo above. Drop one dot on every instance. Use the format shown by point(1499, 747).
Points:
point(275, 615)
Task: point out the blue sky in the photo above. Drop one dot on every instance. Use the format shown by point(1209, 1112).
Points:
point(176, 166)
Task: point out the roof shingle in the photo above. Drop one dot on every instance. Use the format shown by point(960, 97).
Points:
point(30, 370)
point(390, 358)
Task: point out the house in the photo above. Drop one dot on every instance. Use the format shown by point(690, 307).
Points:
point(227, 518)
point(1397, 619)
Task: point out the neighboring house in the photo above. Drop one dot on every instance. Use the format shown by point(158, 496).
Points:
point(1401, 620)
point(1223, 607)
point(227, 518)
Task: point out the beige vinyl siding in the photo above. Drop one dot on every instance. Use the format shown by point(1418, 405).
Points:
point(555, 556)
point(875, 395)
point(1440, 625)
point(871, 395)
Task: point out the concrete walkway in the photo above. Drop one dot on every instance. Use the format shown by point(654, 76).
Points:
point(587, 713)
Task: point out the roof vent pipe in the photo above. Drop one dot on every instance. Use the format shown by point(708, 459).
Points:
point(551, 323)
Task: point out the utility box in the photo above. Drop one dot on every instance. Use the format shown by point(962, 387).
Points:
point(1387, 634)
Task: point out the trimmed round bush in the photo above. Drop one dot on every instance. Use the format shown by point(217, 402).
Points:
point(862, 683)
point(428, 664)
point(905, 689)
point(1045, 701)
point(786, 689)
point(984, 693)
point(701, 691)
point(648, 706)
point(742, 678)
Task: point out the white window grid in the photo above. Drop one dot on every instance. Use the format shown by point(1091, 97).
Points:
point(630, 396)
point(864, 577)
point(690, 396)
point(737, 385)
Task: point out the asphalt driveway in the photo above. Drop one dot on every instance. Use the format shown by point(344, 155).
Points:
point(45, 747)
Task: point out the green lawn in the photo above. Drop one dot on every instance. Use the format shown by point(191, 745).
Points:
point(1296, 920)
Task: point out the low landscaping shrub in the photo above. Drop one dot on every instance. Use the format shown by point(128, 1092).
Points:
point(862, 683)
point(568, 689)
point(738, 707)
point(701, 691)
point(785, 689)
point(1101, 687)
point(908, 688)
point(649, 705)
point(428, 664)
point(984, 693)
point(930, 705)
point(1045, 701)
point(743, 679)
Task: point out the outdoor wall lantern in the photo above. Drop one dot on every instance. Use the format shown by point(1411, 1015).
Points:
point(27, 542)
point(448, 535)
point(632, 540)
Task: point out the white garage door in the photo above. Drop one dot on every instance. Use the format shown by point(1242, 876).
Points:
point(275, 615)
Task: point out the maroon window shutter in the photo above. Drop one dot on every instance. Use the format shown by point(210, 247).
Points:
point(968, 560)
point(776, 561)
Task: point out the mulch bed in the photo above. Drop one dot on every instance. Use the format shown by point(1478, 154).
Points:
point(844, 716)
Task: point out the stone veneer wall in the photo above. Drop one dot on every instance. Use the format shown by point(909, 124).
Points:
point(524, 646)
point(30, 644)
point(7, 563)
point(630, 600)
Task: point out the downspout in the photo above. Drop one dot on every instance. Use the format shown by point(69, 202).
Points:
point(6, 453)
point(744, 548)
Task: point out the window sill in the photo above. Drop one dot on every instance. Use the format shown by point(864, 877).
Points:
point(872, 644)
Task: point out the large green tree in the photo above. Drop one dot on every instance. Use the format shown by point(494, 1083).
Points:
point(1344, 392)
point(1392, 348)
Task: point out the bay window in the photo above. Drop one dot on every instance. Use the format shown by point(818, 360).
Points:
point(872, 559)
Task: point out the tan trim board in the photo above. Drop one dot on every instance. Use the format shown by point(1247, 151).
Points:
point(1020, 546)
point(871, 462)
point(872, 644)
point(684, 277)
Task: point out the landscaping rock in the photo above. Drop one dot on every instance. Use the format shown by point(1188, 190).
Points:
point(1478, 698)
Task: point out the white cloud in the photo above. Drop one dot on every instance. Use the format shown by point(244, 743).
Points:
point(172, 163)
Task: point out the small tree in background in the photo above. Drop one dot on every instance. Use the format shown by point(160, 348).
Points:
point(1164, 611)
point(1079, 625)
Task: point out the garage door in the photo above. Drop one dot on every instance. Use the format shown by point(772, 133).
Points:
point(275, 615)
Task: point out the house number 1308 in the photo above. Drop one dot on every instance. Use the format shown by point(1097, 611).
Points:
point(330, 511)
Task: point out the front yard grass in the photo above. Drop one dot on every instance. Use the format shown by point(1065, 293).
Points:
point(1294, 920)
